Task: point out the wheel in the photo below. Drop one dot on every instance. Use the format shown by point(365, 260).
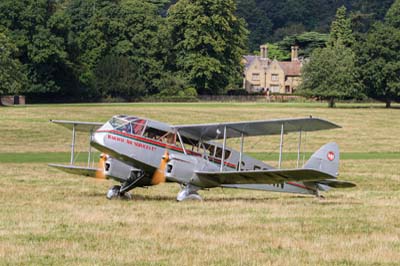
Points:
point(113, 192)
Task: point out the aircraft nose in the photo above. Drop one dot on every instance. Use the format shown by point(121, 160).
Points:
point(98, 138)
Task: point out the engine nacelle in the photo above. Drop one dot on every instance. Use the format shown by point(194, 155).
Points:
point(117, 169)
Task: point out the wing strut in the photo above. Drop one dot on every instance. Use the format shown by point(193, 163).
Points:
point(281, 148)
point(241, 151)
point(298, 149)
point(181, 141)
point(223, 151)
point(90, 148)
point(73, 145)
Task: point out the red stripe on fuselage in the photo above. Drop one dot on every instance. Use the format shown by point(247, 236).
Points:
point(161, 144)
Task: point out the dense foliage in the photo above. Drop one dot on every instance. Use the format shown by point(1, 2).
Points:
point(330, 74)
point(379, 58)
point(88, 49)
point(207, 42)
point(11, 76)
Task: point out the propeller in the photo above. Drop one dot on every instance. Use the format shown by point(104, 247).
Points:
point(100, 174)
point(159, 174)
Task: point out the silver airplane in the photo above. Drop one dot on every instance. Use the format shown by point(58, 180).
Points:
point(139, 152)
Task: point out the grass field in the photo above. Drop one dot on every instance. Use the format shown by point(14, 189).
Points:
point(52, 218)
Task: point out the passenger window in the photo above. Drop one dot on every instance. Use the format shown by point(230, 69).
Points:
point(218, 153)
point(169, 138)
point(153, 133)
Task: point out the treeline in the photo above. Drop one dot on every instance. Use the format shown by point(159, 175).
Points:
point(92, 49)
point(356, 65)
point(119, 48)
point(273, 20)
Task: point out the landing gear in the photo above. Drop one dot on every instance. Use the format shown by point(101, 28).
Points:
point(188, 192)
point(115, 193)
point(121, 192)
point(319, 195)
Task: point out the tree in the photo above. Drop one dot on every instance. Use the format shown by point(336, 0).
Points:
point(40, 37)
point(392, 17)
point(117, 76)
point(330, 74)
point(379, 63)
point(275, 52)
point(207, 43)
point(258, 24)
point(126, 28)
point(307, 41)
point(12, 77)
point(341, 29)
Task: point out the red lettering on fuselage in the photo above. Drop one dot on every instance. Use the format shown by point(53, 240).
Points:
point(144, 146)
point(130, 142)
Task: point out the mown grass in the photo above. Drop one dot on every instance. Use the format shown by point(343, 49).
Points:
point(51, 218)
point(82, 157)
point(364, 129)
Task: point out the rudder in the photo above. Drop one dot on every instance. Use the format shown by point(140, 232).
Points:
point(326, 159)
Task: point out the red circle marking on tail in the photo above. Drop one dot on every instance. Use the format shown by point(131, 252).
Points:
point(331, 156)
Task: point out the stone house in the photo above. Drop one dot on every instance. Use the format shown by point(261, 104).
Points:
point(262, 73)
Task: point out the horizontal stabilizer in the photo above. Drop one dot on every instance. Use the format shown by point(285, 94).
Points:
point(336, 183)
point(273, 176)
point(76, 170)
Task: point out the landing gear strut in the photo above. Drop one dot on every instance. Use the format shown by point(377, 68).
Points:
point(121, 192)
point(188, 192)
point(115, 193)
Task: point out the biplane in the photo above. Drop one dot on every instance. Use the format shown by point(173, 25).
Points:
point(140, 152)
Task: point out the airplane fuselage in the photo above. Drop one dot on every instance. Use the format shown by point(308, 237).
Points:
point(143, 151)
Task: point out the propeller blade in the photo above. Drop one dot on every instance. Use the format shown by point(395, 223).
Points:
point(100, 174)
point(159, 174)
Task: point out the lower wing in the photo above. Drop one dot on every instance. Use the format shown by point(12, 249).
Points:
point(273, 176)
point(84, 171)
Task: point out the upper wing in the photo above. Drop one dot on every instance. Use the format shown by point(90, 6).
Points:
point(253, 128)
point(79, 125)
point(273, 176)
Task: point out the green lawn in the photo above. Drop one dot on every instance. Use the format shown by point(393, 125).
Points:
point(81, 157)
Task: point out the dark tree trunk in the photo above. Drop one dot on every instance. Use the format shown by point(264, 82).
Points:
point(331, 103)
point(388, 103)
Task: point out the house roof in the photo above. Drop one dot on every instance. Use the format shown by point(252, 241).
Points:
point(291, 68)
point(251, 58)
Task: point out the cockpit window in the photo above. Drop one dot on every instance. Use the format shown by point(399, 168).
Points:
point(128, 124)
point(117, 122)
point(138, 126)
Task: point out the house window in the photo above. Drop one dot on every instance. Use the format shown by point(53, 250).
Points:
point(274, 88)
point(287, 89)
point(274, 77)
point(255, 77)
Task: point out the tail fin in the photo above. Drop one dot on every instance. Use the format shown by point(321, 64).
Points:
point(326, 159)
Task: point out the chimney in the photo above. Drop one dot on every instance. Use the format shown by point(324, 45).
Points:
point(295, 53)
point(264, 51)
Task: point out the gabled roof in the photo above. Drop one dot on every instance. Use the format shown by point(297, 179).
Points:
point(250, 59)
point(291, 68)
